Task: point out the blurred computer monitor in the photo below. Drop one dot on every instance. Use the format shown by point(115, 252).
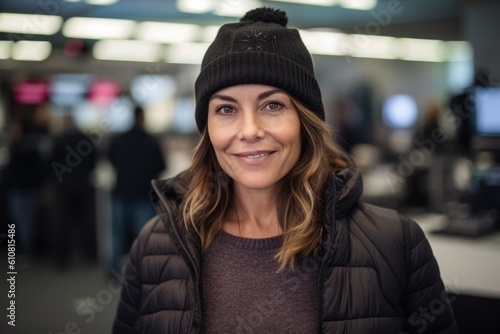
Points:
point(400, 112)
point(486, 118)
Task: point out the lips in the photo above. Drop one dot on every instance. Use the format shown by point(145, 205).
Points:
point(254, 156)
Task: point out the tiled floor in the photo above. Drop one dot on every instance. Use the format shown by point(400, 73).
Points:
point(81, 299)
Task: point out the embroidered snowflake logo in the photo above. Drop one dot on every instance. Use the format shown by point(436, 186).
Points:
point(253, 40)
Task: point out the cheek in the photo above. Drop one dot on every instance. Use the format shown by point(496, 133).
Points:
point(214, 133)
point(219, 142)
point(293, 136)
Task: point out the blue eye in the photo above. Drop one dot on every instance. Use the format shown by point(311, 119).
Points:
point(274, 106)
point(225, 110)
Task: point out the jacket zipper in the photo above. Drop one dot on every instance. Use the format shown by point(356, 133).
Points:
point(321, 270)
point(187, 255)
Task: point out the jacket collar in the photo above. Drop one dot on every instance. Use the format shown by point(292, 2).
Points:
point(342, 193)
point(166, 196)
point(349, 188)
point(171, 189)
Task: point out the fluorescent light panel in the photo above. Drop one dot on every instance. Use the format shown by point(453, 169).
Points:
point(234, 8)
point(168, 32)
point(358, 4)
point(98, 28)
point(209, 33)
point(186, 53)
point(311, 2)
point(349, 4)
point(30, 24)
point(5, 47)
point(31, 50)
point(101, 2)
point(367, 46)
point(460, 51)
point(194, 6)
point(127, 50)
point(323, 42)
point(421, 49)
point(383, 47)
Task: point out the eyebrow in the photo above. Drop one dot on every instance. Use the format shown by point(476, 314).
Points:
point(261, 96)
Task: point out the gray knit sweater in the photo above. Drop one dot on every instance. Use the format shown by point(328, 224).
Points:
point(243, 293)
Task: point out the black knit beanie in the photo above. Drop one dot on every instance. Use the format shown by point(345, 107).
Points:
point(259, 49)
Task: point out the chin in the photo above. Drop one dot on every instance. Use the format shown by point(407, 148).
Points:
point(257, 182)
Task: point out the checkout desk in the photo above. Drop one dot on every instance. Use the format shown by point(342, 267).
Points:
point(470, 269)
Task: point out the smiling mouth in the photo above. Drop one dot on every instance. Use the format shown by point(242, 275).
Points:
point(256, 156)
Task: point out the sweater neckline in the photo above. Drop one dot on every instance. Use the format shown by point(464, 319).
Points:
point(270, 243)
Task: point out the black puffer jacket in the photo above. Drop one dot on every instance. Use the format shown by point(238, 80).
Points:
point(368, 282)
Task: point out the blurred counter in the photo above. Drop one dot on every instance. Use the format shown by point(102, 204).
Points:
point(469, 265)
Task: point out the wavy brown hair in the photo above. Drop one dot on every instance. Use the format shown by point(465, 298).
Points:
point(299, 201)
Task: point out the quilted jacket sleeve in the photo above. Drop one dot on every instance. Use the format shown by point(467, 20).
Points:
point(426, 302)
point(129, 305)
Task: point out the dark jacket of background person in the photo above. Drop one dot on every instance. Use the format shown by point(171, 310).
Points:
point(25, 168)
point(73, 161)
point(365, 284)
point(76, 156)
point(21, 180)
point(137, 158)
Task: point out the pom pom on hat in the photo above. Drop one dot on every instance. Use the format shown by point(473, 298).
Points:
point(266, 15)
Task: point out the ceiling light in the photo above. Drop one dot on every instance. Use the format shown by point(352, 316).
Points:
point(30, 24)
point(421, 49)
point(195, 6)
point(209, 33)
point(332, 43)
point(31, 50)
point(324, 42)
point(368, 46)
point(234, 8)
point(459, 51)
point(167, 32)
point(186, 53)
point(358, 4)
point(127, 50)
point(5, 47)
point(97, 28)
point(101, 2)
point(311, 2)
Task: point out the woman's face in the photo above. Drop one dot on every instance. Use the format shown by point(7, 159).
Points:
point(255, 132)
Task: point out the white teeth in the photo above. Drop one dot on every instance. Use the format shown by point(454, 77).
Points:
point(256, 156)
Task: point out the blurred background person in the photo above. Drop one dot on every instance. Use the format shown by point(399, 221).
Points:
point(22, 179)
point(73, 161)
point(137, 159)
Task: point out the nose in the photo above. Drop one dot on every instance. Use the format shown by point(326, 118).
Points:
point(251, 127)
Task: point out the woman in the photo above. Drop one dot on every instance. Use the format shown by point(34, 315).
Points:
point(265, 232)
